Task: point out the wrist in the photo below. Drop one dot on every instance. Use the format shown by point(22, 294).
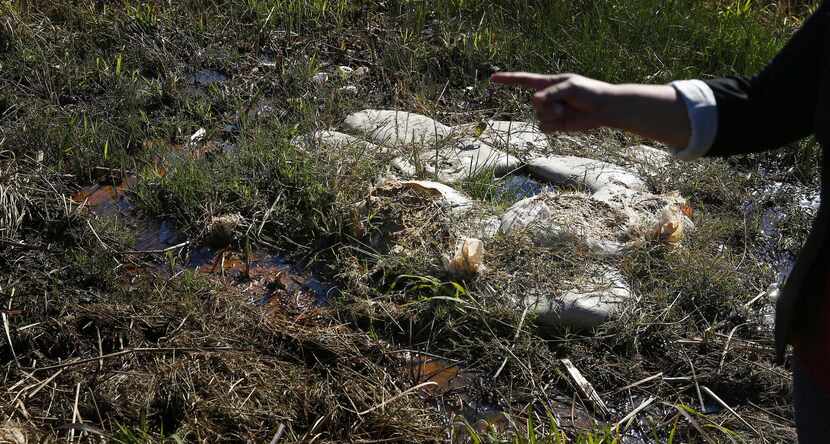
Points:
point(613, 106)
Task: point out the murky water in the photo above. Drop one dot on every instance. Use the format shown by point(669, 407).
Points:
point(772, 198)
point(207, 77)
point(260, 273)
point(107, 198)
point(517, 187)
point(264, 278)
point(263, 273)
point(454, 396)
point(453, 393)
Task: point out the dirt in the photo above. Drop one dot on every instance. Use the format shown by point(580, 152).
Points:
point(261, 274)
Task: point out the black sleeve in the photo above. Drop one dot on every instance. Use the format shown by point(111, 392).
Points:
point(778, 105)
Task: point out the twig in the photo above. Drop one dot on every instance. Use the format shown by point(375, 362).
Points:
point(44, 383)
point(95, 403)
point(136, 350)
point(100, 349)
point(396, 397)
point(755, 299)
point(788, 422)
point(278, 435)
point(586, 388)
point(640, 382)
point(163, 250)
point(103, 245)
point(627, 418)
point(75, 415)
point(268, 214)
point(515, 338)
point(726, 347)
point(20, 382)
point(9, 338)
point(726, 406)
point(697, 386)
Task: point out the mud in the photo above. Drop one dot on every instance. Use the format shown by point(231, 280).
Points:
point(259, 273)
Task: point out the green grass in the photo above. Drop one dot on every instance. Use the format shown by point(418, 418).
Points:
point(94, 86)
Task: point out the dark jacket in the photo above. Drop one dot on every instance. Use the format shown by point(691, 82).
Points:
point(787, 101)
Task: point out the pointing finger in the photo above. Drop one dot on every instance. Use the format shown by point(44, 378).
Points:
point(527, 79)
point(545, 98)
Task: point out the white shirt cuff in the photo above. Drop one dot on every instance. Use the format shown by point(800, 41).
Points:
point(703, 117)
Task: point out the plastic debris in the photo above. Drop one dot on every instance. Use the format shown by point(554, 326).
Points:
point(320, 78)
point(350, 89)
point(468, 257)
point(669, 227)
point(198, 136)
point(344, 72)
point(360, 72)
point(11, 432)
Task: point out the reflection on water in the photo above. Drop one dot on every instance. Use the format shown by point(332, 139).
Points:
point(519, 187)
point(207, 77)
point(773, 200)
point(443, 373)
point(260, 273)
point(455, 395)
point(107, 198)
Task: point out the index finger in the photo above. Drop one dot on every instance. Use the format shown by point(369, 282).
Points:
point(526, 79)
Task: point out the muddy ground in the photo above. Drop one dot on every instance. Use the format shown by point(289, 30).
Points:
point(175, 267)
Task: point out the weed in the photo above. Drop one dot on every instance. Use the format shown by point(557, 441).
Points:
point(92, 93)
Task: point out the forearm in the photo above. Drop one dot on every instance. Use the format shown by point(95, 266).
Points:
point(652, 111)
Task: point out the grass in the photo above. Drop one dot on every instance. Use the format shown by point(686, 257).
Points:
point(91, 93)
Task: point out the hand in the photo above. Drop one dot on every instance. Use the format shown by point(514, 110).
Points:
point(564, 102)
point(569, 102)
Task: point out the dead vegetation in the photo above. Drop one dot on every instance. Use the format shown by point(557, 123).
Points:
point(115, 327)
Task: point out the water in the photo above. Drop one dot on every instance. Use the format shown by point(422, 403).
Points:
point(454, 396)
point(519, 187)
point(262, 274)
point(207, 77)
point(772, 200)
point(453, 393)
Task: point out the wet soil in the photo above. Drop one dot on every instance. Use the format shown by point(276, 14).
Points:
point(261, 274)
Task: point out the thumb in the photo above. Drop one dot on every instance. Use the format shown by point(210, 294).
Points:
point(527, 79)
point(553, 97)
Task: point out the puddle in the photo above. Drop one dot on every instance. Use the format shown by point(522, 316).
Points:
point(261, 274)
point(207, 77)
point(453, 393)
point(454, 396)
point(109, 200)
point(106, 199)
point(519, 187)
point(156, 235)
point(771, 200)
point(446, 375)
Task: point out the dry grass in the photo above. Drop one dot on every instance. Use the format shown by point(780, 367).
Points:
point(143, 348)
